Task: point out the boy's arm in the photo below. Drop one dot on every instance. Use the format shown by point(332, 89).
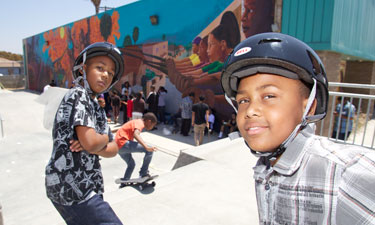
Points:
point(110, 150)
point(207, 116)
point(137, 136)
point(192, 118)
point(91, 141)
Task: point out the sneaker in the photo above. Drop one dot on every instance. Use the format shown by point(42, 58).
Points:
point(146, 176)
point(122, 184)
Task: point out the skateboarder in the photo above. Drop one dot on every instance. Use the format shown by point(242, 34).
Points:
point(124, 139)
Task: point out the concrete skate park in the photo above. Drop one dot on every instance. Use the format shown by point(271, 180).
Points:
point(210, 184)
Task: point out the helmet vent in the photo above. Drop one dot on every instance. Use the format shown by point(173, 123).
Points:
point(268, 40)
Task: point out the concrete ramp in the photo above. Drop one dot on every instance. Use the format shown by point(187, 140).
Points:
point(218, 189)
point(210, 184)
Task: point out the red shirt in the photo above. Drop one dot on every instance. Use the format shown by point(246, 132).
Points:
point(129, 108)
point(126, 132)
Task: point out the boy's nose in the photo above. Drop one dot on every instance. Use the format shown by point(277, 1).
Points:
point(105, 74)
point(253, 110)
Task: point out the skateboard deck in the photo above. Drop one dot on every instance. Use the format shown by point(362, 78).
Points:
point(142, 183)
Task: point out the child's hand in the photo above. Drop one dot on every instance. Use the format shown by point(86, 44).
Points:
point(151, 149)
point(75, 146)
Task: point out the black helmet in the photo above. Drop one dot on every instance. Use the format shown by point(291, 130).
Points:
point(100, 49)
point(279, 54)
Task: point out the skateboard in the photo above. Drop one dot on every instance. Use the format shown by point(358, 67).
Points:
point(141, 183)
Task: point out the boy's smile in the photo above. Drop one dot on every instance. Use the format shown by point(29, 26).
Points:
point(269, 108)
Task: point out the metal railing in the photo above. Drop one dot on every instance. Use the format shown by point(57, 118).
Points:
point(350, 118)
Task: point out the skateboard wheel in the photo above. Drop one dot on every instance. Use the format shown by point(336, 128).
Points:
point(153, 184)
point(141, 187)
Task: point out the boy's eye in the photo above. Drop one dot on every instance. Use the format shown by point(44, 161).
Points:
point(269, 96)
point(100, 68)
point(242, 101)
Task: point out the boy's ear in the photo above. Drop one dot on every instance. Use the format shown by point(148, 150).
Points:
point(82, 68)
point(313, 108)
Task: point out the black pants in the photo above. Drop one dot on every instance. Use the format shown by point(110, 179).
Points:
point(185, 126)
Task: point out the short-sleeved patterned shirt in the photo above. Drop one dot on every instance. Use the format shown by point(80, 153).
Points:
point(72, 177)
point(317, 181)
point(186, 107)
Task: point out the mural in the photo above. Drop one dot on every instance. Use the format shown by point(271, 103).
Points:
point(183, 53)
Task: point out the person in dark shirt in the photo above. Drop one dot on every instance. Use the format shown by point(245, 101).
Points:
point(199, 120)
point(115, 102)
point(152, 101)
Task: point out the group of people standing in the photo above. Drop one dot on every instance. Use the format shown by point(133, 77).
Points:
point(134, 104)
point(198, 115)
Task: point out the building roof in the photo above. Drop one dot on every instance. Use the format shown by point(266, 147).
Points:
point(9, 63)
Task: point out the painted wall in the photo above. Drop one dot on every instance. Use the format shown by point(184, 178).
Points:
point(155, 54)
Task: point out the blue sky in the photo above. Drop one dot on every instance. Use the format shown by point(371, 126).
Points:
point(21, 19)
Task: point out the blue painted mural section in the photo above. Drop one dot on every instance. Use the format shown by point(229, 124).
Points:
point(180, 21)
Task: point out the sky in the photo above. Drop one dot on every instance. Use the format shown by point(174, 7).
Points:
point(21, 19)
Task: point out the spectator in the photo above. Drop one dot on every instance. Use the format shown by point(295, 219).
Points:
point(152, 101)
point(52, 84)
point(115, 103)
point(186, 112)
point(162, 92)
point(199, 120)
point(124, 108)
point(228, 126)
point(129, 107)
point(343, 119)
point(138, 106)
point(125, 87)
point(211, 121)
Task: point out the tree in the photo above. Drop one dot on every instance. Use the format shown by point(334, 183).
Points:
point(10, 56)
point(106, 25)
point(96, 4)
point(127, 41)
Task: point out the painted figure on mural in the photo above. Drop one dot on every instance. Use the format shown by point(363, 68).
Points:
point(257, 16)
point(221, 41)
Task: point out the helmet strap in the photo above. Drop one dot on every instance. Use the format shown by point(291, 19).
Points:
point(230, 102)
point(77, 81)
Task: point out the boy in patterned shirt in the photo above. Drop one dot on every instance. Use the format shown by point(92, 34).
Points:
point(279, 85)
point(74, 182)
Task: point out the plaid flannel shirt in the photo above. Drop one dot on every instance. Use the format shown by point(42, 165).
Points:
point(317, 181)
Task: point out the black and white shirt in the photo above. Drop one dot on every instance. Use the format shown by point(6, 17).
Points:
point(73, 177)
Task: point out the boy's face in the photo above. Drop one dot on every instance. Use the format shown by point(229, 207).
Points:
point(100, 71)
point(149, 125)
point(101, 103)
point(269, 108)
